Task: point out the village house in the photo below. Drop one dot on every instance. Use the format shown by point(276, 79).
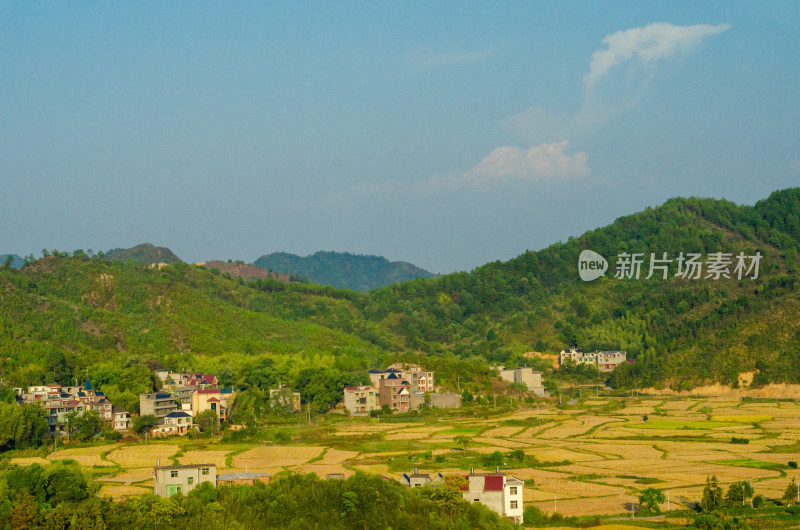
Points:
point(417, 479)
point(177, 422)
point(497, 491)
point(361, 399)
point(525, 376)
point(606, 361)
point(446, 400)
point(158, 404)
point(60, 402)
point(122, 419)
point(217, 399)
point(169, 480)
point(419, 379)
point(282, 398)
point(395, 393)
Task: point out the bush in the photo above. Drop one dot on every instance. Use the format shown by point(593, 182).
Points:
point(741, 441)
point(758, 501)
point(793, 464)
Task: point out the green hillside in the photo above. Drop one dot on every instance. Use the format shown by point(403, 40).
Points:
point(680, 331)
point(144, 254)
point(343, 270)
point(63, 315)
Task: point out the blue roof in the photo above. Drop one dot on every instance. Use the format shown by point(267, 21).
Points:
point(163, 395)
point(88, 385)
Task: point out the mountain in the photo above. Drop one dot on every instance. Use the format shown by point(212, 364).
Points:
point(16, 261)
point(144, 254)
point(62, 315)
point(679, 331)
point(343, 270)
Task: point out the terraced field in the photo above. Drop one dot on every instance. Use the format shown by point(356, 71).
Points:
point(590, 458)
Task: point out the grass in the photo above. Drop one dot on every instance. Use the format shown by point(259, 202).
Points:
point(749, 462)
point(688, 425)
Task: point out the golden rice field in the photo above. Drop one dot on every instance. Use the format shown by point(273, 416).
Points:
point(593, 461)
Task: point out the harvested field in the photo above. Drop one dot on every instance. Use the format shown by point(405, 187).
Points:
point(85, 456)
point(204, 457)
point(30, 460)
point(143, 455)
point(275, 456)
point(121, 492)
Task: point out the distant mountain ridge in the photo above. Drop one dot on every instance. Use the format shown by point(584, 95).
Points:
point(237, 269)
point(144, 254)
point(343, 269)
point(16, 261)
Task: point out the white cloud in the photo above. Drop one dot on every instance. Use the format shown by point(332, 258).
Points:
point(648, 44)
point(538, 163)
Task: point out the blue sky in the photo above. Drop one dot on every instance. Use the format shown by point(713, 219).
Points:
point(447, 134)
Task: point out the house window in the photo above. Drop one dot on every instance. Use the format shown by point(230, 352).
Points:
point(190, 480)
point(205, 471)
point(173, 474)
point(513, 490)
point(513, 505)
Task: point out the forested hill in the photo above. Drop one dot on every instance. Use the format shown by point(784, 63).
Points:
point(61, 315)
point(11, 260)
point(680, 331)
point(144, 254)
point(343, 270)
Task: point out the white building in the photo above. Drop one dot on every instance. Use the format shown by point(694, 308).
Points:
point(498, 492)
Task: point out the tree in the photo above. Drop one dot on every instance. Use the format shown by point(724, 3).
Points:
point(466, 396)
point(792, 492)
point(87, 425)
point(649, 501)
point(462, 440)
point(712, 495)
point(207, 420)
point(144, 423)
point(738, 493)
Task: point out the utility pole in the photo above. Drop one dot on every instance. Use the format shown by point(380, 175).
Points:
point(667, 500)
point(458, 381)
point(555, 504)
point(537, 413)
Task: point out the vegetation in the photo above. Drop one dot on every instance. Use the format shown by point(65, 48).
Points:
point(59, 496)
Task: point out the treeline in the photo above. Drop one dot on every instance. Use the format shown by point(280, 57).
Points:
point(59, 497)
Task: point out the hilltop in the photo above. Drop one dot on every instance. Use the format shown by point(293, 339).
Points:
point(343, 270)
point(144, 254)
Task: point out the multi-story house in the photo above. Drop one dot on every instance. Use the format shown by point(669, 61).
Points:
point(498, 492)
point(606, 361)
point(177, 422)
point(158, 404)
point(523, 375)
point(122, 420)
point(419, 379)
point(169, 480)
point(217, 399)
point(361, 399)
point(60, 402)
point(396, 393)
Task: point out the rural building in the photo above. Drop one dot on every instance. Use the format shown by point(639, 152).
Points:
point(525, 376)
point(158, 404)
point(122, 419)
point(169, 480)
point(177, 422)
point(497, 491)
point(284, 399)
point(59, 402)
point(417, 479)
point(605, 361)
point(396, 393)
point(217, 399)
point(247, 479)
point(361, 399)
